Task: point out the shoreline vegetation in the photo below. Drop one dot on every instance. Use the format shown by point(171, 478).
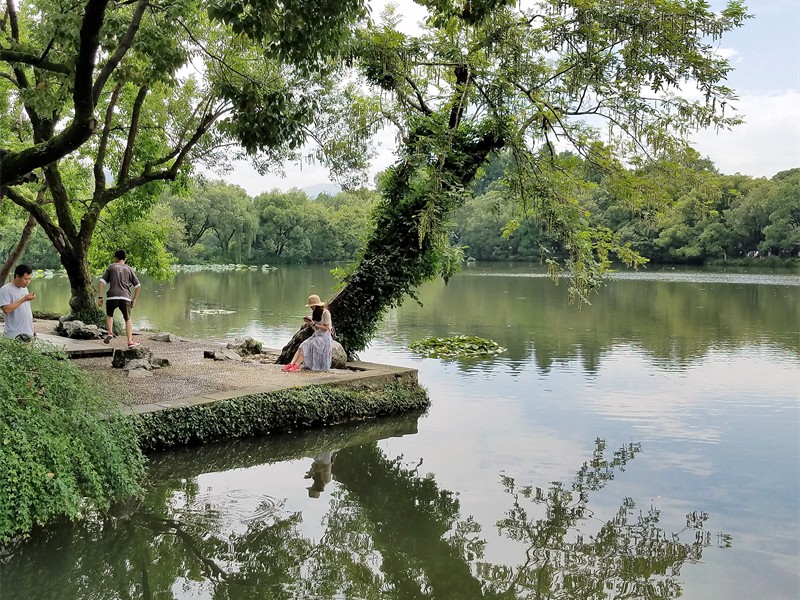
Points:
point(69, 448)
point(709, 219)
point(763, 262)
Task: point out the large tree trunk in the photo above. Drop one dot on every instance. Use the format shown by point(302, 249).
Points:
point(83, 292)
point(287, 352)
point(14, 255)
point(397, 259)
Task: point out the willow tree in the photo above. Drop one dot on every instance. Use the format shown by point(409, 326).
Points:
point(111, 99)
point(617, 83)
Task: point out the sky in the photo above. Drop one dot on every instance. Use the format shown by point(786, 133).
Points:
point(765, 55)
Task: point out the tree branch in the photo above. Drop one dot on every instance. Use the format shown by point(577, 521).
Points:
point(462, 84)
point(11, 56)
point(99, 173)
point(132, 133)
point(16, 164)
point(11, 11)
point(60, 199)
point(53, 231)
point(123, 186)
point(423, 107)
point(119, 53)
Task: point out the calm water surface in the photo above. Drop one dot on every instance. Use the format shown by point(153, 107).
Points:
point(643, 447)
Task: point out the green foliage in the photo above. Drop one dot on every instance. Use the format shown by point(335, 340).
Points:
point(268, 412)
point(676, 210)
point(219, 223)
point(298, 31)
point(486, 76)
point(175, 86)
point(64, 450)
point(143, 236)
point(460, 346)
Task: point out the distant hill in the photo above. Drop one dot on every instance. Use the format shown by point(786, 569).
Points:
point(312, 191)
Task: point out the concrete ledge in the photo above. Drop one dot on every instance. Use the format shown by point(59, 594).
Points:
point(234, 415)
point(358, 376)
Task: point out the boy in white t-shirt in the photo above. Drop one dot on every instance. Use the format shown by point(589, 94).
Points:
point(15, 301)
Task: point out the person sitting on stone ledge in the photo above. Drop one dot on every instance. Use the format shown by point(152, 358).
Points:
point(316, 352)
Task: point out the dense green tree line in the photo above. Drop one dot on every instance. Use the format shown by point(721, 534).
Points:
point(707, 216)
point(216, 222)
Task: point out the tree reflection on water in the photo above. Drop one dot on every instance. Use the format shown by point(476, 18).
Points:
point(630, 556)
point(390, 532)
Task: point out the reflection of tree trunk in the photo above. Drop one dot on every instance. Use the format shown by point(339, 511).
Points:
point(212, 569)
point(396, 505)
point(17, 251)
point(144, 565)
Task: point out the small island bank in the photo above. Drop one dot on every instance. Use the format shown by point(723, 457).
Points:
point(196, 398)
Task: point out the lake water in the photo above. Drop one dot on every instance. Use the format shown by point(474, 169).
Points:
point(646, 446)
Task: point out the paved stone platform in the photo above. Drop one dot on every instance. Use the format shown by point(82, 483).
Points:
point(192, 381)
point(357, 374)
point(73, 348)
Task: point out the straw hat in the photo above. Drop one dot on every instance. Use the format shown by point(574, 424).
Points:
point(313, 300)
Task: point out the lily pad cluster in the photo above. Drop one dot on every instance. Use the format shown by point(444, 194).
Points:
point(460, 346)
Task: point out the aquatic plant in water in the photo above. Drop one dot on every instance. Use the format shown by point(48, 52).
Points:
point(460, 346)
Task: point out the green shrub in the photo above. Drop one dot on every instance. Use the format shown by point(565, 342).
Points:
point(64, 450)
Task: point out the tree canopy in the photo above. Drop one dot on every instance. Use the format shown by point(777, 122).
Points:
point(110, 100)
point(617, 83)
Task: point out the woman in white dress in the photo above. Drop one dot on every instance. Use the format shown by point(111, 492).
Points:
point(317, 351)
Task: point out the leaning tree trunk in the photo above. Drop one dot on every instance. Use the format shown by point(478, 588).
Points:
point(288, 351)
point(397, 258)
point(14, 255)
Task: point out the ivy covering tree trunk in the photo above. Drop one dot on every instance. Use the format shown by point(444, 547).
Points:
point(408, 245)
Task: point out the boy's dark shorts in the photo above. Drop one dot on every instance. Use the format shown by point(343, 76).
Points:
point(123, 305)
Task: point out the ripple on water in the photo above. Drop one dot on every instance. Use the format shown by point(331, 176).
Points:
point(237, 505)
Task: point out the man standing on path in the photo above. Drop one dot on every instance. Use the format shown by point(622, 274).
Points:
point(120, 278)
point(15, 300)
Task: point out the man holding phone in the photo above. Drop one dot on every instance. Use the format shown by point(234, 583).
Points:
point(15, 301)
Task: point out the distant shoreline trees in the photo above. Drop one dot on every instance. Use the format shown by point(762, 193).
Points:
point(710, 218)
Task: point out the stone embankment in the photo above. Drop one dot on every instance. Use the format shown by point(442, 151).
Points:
point(194, 399)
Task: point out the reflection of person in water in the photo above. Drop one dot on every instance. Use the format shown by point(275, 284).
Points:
point(320, 473)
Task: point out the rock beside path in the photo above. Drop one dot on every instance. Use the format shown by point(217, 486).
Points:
point(137, 359)
point(78, 330)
